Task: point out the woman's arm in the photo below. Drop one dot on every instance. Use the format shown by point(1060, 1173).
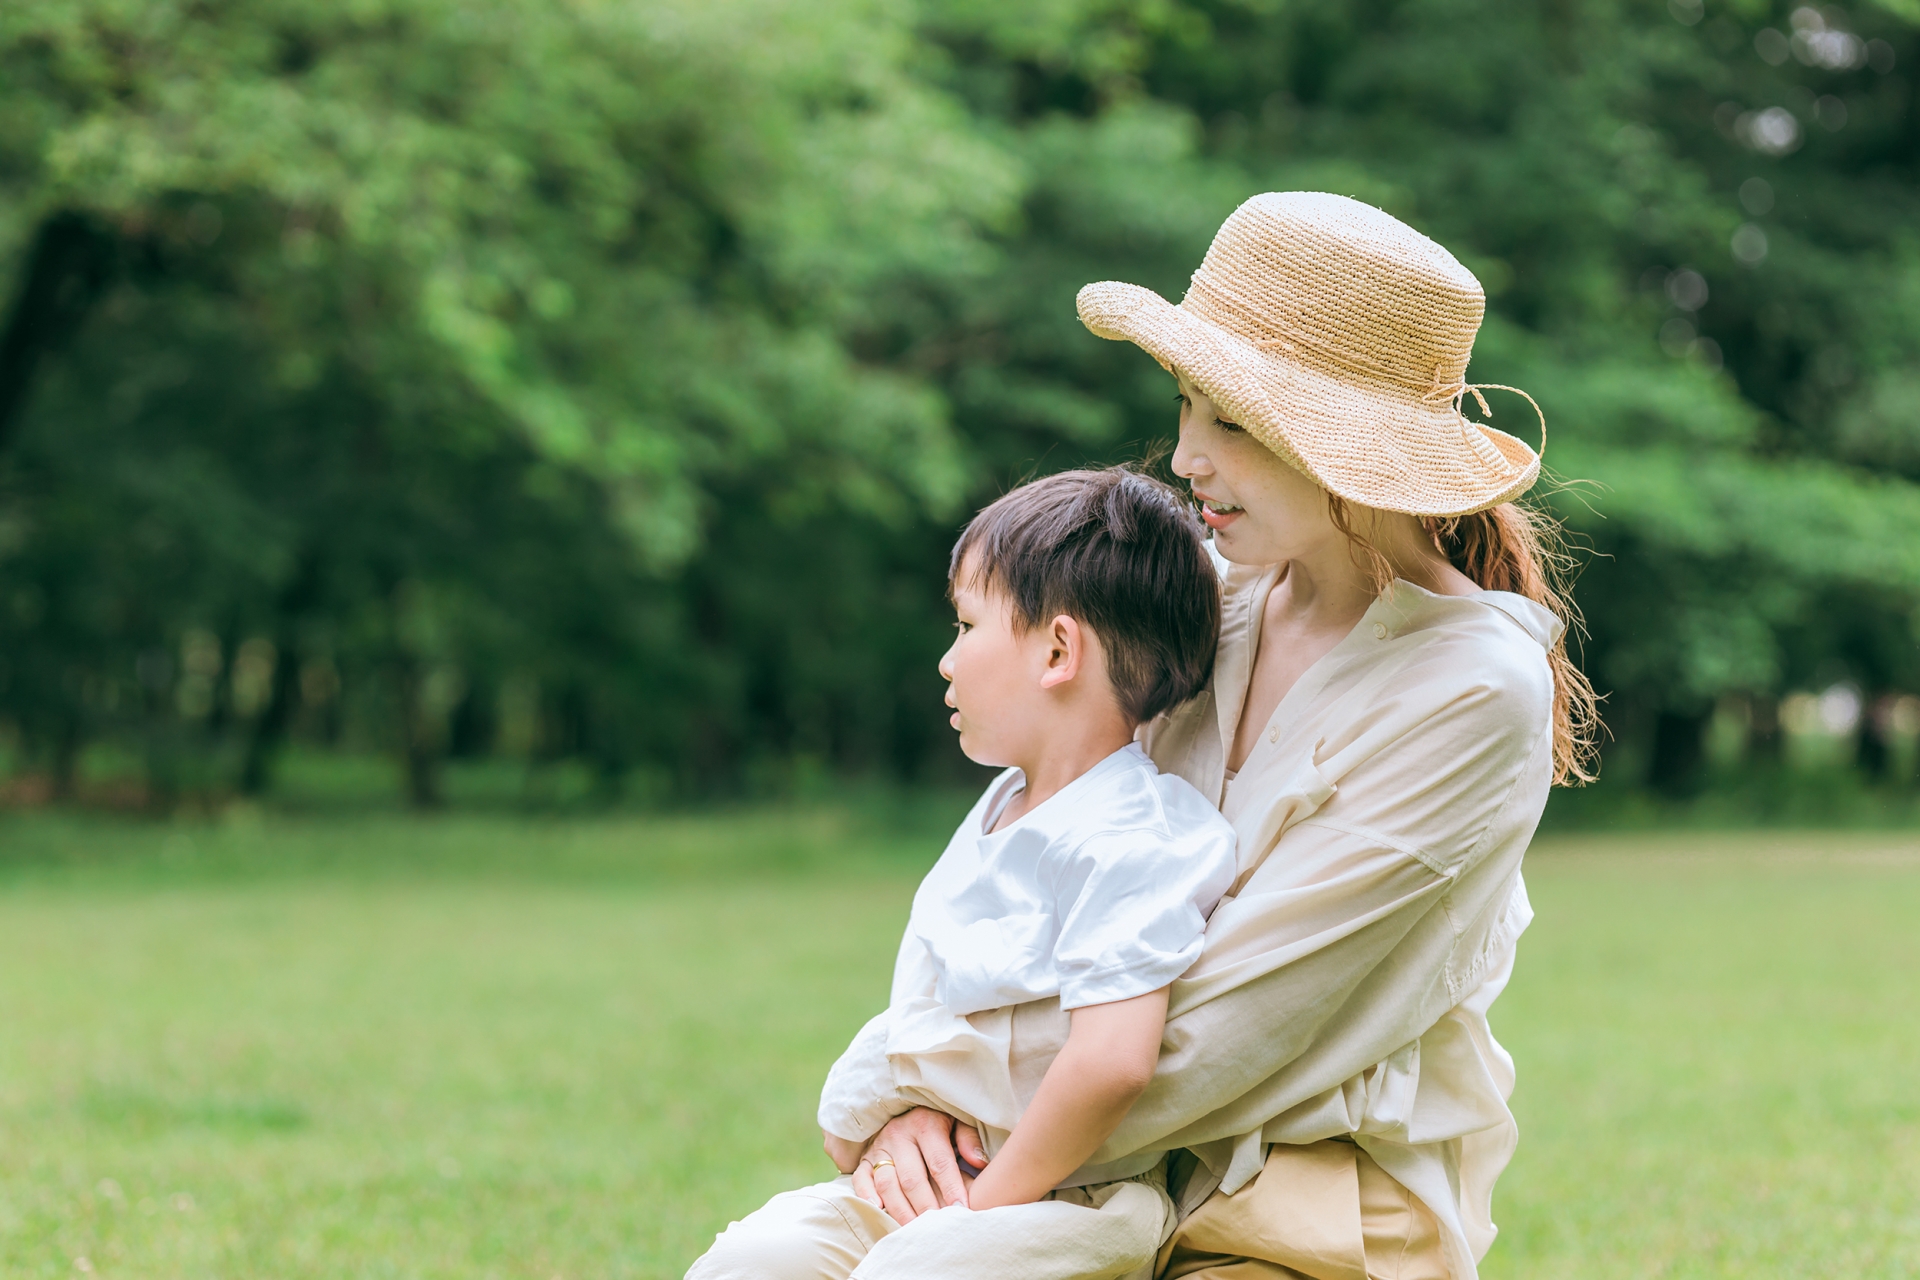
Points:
point(1106, 1063)
point(1361, 925)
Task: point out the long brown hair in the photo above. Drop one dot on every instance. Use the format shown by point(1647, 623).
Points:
point(1520, 549)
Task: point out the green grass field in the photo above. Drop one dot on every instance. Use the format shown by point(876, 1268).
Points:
point(383, 1047)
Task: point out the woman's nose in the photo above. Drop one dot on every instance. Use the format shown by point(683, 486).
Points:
point(1188, 461)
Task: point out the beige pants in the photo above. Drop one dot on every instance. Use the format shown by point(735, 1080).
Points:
point(1324, 1211)
point(825, 1232)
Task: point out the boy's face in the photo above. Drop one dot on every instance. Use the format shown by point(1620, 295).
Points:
point(997, 675)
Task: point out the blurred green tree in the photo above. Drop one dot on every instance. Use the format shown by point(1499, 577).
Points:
point(622, 245)
point(621, 370)
point(1695, 226)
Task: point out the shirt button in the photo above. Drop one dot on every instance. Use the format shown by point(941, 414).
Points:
point(1379, 631)
point(1273, 734)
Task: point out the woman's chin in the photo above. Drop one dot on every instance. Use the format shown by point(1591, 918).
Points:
point(1234, 546)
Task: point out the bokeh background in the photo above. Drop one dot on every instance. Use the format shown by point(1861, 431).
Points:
point(475, 485)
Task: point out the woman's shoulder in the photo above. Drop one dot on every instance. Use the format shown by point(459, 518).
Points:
point(1492, 641)
point(1495, 621)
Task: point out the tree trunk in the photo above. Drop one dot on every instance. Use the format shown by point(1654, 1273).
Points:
point(1872, 753)
point(1765, 742)
point(1678, 767)
point(66, 759)
point(68, 268)
point(419, 737)
point(270, 730)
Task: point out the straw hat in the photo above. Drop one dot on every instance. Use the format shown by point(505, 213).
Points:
point(1339, 337)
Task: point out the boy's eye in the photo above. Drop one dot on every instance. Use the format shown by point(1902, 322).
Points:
point(963, 627)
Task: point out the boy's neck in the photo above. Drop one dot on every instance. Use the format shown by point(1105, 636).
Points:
point(1060, 760)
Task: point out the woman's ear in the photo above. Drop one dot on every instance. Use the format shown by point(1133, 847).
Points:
point(1066, 651)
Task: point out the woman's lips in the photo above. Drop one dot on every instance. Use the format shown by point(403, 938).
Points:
point(1220, 519)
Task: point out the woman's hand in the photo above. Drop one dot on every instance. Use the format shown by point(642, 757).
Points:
point(913, 1165)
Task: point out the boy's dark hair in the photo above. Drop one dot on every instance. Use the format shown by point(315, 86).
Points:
point(1122, 553)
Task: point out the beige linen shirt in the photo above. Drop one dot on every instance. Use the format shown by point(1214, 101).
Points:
point(1346, 979)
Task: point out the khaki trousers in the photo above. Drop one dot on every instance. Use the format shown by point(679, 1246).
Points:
point(1324, 1211)
point(826, 1232)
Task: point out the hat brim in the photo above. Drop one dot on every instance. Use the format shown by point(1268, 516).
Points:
point(1371, 441)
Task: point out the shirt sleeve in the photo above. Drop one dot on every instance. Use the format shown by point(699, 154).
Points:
point(1133, 910)
point(859, 1096)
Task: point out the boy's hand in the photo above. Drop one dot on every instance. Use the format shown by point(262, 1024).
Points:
point(844, 1154)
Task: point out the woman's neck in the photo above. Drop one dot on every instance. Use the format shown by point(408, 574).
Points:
point(1318, 599)
point(1404, 541)
point(1323, 590)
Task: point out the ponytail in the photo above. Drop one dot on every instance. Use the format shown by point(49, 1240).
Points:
point(1519, 550)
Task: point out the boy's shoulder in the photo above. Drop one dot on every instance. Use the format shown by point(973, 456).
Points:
point(1124, 800)
point(1136, 797)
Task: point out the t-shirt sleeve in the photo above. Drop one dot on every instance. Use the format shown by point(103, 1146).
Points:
point(1133, 908)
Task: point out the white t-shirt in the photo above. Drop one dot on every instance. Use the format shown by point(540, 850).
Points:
point(1100, 893)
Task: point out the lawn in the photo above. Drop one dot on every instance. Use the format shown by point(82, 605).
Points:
point(378, 1047)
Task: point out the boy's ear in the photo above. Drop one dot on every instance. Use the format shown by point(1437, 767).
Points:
point(1066, 650)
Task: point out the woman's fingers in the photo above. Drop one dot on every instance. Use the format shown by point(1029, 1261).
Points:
point(886, 1181)
point(899, 1172)
point(863, 1184)
point(911, 1170)
point(943, 1169)
point(966, 1141)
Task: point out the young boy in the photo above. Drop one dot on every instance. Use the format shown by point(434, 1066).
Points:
point(1081, 882)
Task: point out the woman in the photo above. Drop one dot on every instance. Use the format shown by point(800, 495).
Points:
point(1392, 701)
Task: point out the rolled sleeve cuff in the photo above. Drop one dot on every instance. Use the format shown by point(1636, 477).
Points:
point(859, 1096)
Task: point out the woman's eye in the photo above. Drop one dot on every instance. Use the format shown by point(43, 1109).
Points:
point(1224, 425)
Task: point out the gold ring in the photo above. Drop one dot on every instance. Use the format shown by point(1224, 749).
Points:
point(884, 1162)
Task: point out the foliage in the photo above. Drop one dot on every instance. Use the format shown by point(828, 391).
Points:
point(605, 380)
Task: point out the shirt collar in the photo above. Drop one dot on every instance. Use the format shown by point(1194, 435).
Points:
point(1126, 757)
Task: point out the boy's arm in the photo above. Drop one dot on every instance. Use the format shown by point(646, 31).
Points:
point(1107, 1062)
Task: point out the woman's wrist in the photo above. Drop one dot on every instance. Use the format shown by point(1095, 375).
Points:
point(845, 1153)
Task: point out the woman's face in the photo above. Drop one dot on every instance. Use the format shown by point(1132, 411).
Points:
point(1260, 509)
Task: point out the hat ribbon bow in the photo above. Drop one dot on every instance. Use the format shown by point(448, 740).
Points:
point(1443, 392)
